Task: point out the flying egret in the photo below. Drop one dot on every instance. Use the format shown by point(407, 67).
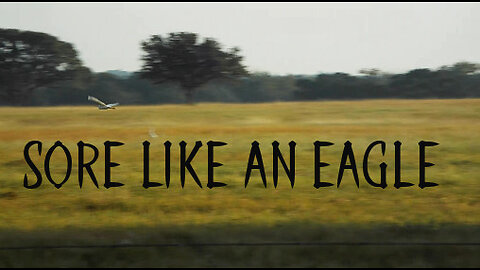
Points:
point(152, 133)
point(102, 105)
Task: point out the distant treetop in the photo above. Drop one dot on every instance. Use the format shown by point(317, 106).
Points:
point(184, 59)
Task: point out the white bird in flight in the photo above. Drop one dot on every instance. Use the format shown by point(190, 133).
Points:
point(102, 105)
point(152, 133)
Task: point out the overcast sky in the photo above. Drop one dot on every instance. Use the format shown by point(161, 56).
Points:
point(280, 38)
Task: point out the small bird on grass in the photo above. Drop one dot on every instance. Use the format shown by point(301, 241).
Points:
point(102, 105)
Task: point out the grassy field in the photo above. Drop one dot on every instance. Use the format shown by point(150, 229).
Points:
point(132, 214)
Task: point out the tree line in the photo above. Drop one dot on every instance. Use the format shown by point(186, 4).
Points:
point(37, 69)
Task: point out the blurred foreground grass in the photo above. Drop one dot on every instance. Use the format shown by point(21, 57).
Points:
point(46, 215)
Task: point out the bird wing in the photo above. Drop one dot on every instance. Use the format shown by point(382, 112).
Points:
point(113, 105)
point(96, 100)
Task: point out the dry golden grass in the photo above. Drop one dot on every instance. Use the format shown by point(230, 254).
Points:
point(131, 214)
point(452, 123)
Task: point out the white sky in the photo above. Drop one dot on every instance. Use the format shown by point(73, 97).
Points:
point(280, 38)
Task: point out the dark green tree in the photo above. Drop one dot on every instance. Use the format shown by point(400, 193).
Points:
point(466, 68)
point(184, 59)
point(29, 60)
